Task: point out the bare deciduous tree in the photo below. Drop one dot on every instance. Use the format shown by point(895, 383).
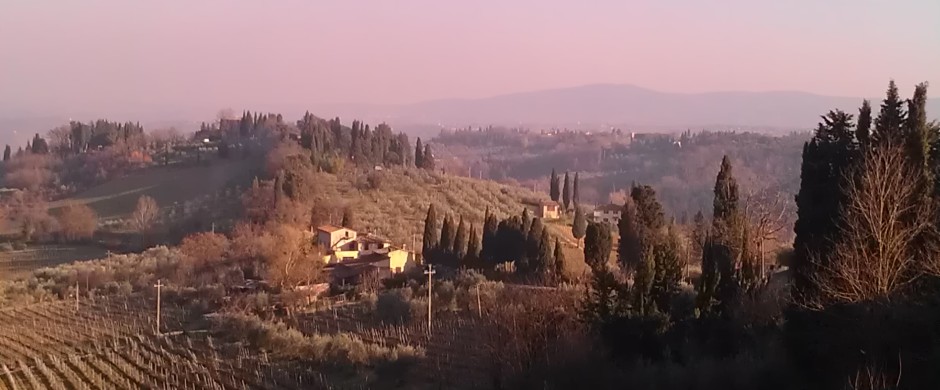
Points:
point(292, 259)
point(77, 222)
point(885, 235)
point(145, 215)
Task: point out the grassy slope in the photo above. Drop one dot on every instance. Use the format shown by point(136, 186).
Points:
point(167, 185)
point(398, 208)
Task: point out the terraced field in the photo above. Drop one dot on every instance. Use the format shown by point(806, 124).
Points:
point(19, 264)
point(111, 344)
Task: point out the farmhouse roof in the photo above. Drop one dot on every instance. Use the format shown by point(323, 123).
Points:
point(541, 202)
point(371, 239)
point(609, 208)
point(330, 228)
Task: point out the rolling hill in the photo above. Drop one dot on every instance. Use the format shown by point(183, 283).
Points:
point(622, 105)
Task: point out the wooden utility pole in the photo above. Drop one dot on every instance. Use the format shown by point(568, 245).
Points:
point(430, 272)
point(76, 294)
point(158, 286)
point(479, 306)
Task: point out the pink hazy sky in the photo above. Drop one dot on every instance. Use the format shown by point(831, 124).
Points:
point(135, 56)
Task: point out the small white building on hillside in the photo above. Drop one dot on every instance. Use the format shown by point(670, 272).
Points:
point(609, 213)
point(348, 254)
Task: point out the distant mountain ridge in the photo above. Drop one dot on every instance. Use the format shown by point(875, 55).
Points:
point(622, 105)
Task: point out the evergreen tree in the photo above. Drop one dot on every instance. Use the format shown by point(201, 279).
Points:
point(347, 218)
point(863, 130)
point(827, 159)
point(430, 239)
point(559, 264)
point(699, 231)
point(579, 224)
point(918, 138)
point(575, 194)
point(668, 269)
point(726, 195)
point(526, 221)
point(727, 230)
point(510, 241)
point(649, 212)
point(488, 252)
point(6, 153)
point(544, 261)
point(419, 154)
point(472, 257)
point(629, 252)
point(460, 240)
point(707, 286)
point(888, 125)
point(448, 232)
point(566, 193)
point(597, 245)
point(643, 282)
point(427, 159)
point(554, 184)
point(533, 240)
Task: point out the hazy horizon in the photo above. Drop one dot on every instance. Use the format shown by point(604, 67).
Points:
point(109, 56)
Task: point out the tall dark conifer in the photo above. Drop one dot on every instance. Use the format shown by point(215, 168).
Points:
point(427, 158)
point(559, 260)
point(544, 260)
point(888, 126)
point(566, 193)
point(863, 130)
point(575, 193)
point(472, 258)
point(629, 251)
point(579, 224)
point(419, 154)
point(460, 240)
point(6, 153)
point(827, 159)
point(554, 186)
point(597, 245)
point(533, 240)
point(488, 249)
point(430, 239)
point(448, 231)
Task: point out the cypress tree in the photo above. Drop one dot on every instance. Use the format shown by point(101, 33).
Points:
point(917, 134)
point(533, 240)
point(726, 228)
point(629, 250)
point(460, 240)
point(430, 239)
point(488, 251)
point(448, 231)
point(347, 218)
point(554, 184)
point(575, 196)
point(566, 193)
point(6, 153)
point(668, 269)
point(559, 257)
point(707, 286)
point(827, 158)
point(597, 244)
point(526, 221)
point(545, 260)
point(863, 130)
point(726, 195)
point(472, 257)
point(643, 284)
point(427, 159)
point(419, 154)
point(579, 224)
